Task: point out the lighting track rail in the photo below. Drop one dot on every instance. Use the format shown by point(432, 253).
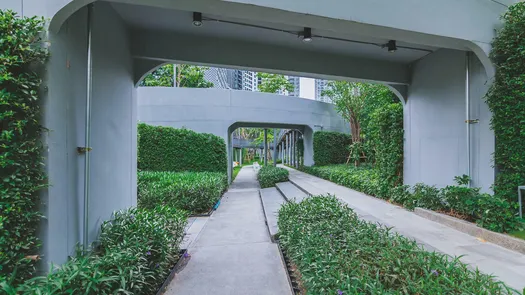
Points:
point(306, 34)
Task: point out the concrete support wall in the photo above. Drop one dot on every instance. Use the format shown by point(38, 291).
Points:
point(113, 131)
point(435, 128)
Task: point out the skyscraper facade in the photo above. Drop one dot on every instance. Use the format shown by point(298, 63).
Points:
point(320, 86)
point(296, 82)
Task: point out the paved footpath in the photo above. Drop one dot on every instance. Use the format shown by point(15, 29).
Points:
point(507, 265)
point(233, 254)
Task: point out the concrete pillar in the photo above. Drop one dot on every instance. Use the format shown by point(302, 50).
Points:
point(293, 149)
point(229, 156)
point(308, 143)
point(288, 150)
point(240, 156)
point(265, 147)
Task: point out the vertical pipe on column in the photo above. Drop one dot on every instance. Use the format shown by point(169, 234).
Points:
point(265, 146)
point(467, 111)
point(274, 147)
point(89, 94)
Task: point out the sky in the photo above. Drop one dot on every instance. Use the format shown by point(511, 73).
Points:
point(307, 88)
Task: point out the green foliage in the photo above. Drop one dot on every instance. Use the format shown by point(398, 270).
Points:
point(21, 171)
point(177, 150)
point(196, 192)
point(330, 147)
point(268, 176)
point(490, 212)
point(386, 137)
point(135, 254)
point(187, 76)
point(506, 101)
point(337, 253)
point(273, 83)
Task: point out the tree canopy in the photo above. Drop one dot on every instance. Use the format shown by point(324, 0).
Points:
point(273, 83)
point(187, 76)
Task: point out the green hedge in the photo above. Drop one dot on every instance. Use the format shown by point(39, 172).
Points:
point(196, 192)
point(136, 252)
point(491, 212)
point(337, 253)
point(21, 170)
point(331, 147)
point(268, 176)
point(177, 150)
point(506, 101)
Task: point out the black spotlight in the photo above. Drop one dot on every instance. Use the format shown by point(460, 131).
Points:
point(197, 19)
point(307, 35)
point(391, 45)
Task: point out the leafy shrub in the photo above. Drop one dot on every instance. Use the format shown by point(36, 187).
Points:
point(401, 195)
point(505, 99)
point(459, 198)
point(268, 176)
point(134, 256)
point(428, 197)
point(196, 192)
point(337, 253)
point(21, 172)
point(495, 213)
point(178, 150)
point(330, 147)
point(386, 136)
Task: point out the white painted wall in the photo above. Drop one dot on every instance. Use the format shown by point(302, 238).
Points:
point(435, 129)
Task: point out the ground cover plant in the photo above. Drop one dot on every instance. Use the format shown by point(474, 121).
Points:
point(337, 253)
point(21, 169)
point(134, 255)
point(177, 150)
point(491, 212)
point(195, 192)
point(269, 175)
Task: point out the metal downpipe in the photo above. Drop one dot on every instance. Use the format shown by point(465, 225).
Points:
point(467, 110)
point(89, 92)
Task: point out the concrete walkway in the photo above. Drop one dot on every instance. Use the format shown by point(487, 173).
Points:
point(233, 254)
point(508, 266)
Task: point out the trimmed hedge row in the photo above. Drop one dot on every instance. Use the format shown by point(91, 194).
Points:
point(337, 253)
point(196, 192)
point(331, 147)
point(269, 175)
point(491, 212)
point(21, 170)
point(136, 251)
point(169, 149)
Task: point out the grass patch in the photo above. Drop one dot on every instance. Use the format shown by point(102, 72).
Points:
point(337, 253)
point(195, 192)
point(268, 176)
point(236, 171)
point(518, 234)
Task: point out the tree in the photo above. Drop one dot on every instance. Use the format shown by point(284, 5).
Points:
point(187, 76)
point(354, 102)
point(273, 83)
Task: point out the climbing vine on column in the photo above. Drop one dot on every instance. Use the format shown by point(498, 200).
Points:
point(506, 100)
point(21, 171)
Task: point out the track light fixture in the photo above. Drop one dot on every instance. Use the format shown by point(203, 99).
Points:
point(306, 34)
point(391, 46)
point(197, 19)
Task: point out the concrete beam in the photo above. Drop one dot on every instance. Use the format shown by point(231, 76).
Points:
point(177, 47)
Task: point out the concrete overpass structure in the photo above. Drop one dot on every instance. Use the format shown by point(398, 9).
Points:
point(440, 71)
point(221, 112)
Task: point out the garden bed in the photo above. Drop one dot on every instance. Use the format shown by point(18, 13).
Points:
point(209, 213)
point(294, 277)
point(269, 175)
point(472, 229)
point(183, 259)
point(336, 252)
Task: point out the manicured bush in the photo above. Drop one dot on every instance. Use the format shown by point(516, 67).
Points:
point(196, 192)
point(330, 147)
point(337, 253)
point(21, 170)
point(491, 212)
point(178, 150)
point(135, 254)
point(268, 176)
point(506, 100)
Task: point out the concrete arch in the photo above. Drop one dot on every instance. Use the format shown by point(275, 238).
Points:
point(144, 67)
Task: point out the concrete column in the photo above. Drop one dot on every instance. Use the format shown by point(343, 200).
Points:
point(229, 156)
point(292, 149)
point(288, 150)
point(240, 156)
point(308, 142)
point(265, 147)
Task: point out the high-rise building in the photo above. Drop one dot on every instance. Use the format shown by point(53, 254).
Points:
point(296, 82)
point(320, 86)
point(249, 80)
point(218, 76)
